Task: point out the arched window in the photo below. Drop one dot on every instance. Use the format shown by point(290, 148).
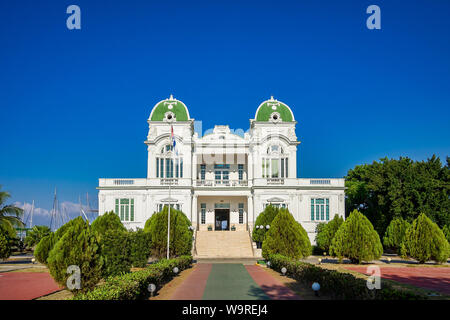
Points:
point(275, 163)
point(169, 164)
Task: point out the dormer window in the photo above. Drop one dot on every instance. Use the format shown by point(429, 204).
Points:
point(275, 117)
point(169, 117)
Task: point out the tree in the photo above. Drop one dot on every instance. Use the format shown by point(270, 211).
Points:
point(264, 218)
point(326, 232)
point(140, 247)
point(36, 234)
point(400, 188)
point(446, 231)
point(180, 233)
point(115, 249)
point(43, 248)
point(9, 214)
point(107, 222)
point(77, 247)
point(5, 248)
point(425, 241)
point(356, 240)
point(286, 237)
point(395, 233)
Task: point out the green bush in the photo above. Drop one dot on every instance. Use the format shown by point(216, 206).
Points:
point(35, 235)
point(43, 248)
point(115, 252)
point(140, 248)
point(425, 241)
point(395, 233)
point(180, 234)
point(107, 222)
point(326, 232)
point(264, 218)
point(134, 285)
point(78, 246)
point(287, 237)
point(357, 240)
point(338, 285)
point(5, 248)
point(446, 230)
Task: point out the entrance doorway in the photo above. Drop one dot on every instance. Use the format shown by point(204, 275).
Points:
point(222, 219)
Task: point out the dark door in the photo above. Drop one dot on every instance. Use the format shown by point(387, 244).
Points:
point(222, 219)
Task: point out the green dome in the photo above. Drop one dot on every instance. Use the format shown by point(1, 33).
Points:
point(272, 110)
point(172, 105)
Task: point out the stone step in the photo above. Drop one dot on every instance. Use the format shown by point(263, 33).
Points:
point(223, 244)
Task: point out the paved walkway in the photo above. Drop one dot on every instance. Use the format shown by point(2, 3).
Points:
point(432, 278)
point(231, 281)
point(26, 285)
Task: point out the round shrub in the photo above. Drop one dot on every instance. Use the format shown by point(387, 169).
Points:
point(180, 234)
point(326, 232)
point(5, 248)
point(356, 240)
point(43, 248)
point(107, 222)
point(78, 246)
point(264, 218)
point(140, 247)
point(286, 237)
point(395, 233)
point(425, 241)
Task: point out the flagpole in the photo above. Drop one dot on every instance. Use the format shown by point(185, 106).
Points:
point(170, 182)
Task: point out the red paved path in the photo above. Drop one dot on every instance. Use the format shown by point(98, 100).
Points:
point(271, 286)
point(26, 285)
point(433, 278)
point(192, 288)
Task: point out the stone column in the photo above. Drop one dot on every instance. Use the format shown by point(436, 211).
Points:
point(194, 212)
point(250, 212)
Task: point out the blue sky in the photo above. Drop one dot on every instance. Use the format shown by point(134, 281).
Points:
point(74, 103)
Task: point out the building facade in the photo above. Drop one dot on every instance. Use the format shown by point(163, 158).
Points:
point(223, 179)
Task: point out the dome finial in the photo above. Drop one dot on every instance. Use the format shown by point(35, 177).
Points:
point(271, 98)
point(171, 97)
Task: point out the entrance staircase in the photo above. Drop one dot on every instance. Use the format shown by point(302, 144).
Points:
point(223, 245)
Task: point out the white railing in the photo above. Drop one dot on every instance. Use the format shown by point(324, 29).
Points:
point(320, 181)
point(122, 182)
point(167, 181)
point(222, 183)
point(275, 181)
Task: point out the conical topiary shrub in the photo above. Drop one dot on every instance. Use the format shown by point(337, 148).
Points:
point(286, 237)
point(356, 240)
point(109, 221)
point(43, 248)
point(425, 241)
point(180, 234)
point(446, 231)
point(77, 247)
point(264, 218)
point(326, 233)
point(395, 233)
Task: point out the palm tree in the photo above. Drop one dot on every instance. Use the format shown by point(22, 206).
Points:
point(9, 214)
point(36, 234)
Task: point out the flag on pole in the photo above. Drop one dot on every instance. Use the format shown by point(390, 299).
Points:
point(173, 141)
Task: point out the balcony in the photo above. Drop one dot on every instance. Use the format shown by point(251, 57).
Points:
point(222, 183)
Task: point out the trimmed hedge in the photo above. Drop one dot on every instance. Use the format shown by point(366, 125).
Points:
point(134, 285)
point(338, 285)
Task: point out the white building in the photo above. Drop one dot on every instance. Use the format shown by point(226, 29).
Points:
point(223, 179)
